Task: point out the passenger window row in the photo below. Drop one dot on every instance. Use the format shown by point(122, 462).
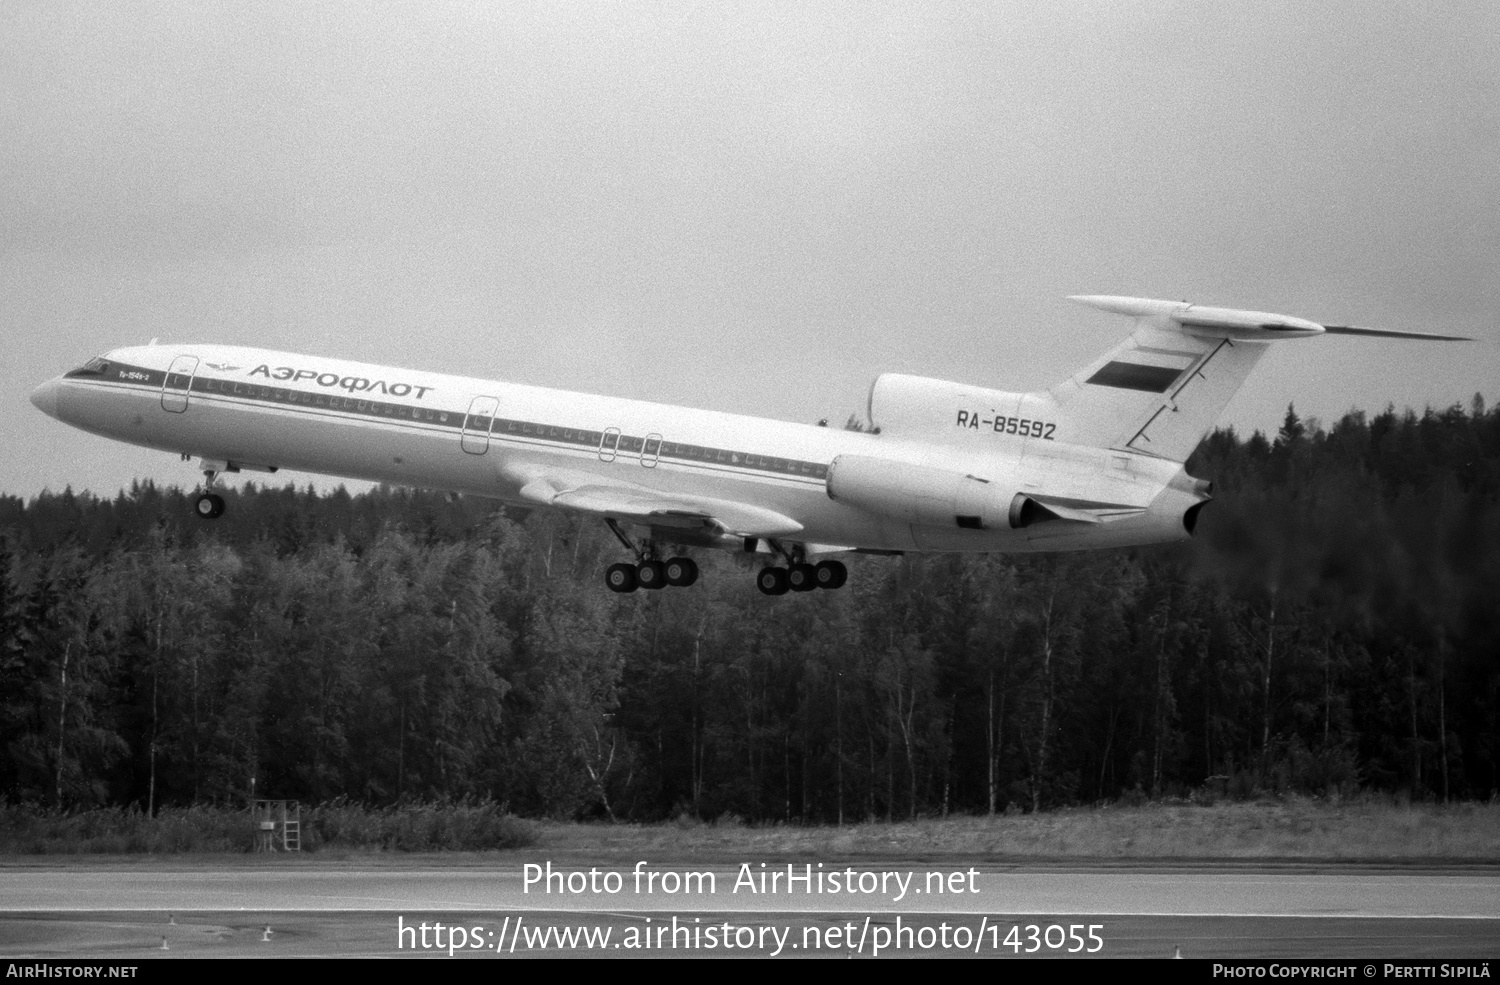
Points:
point(627, 444)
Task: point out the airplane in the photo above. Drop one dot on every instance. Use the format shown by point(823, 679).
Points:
point(1093, 462)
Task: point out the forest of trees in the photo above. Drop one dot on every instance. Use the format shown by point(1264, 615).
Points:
point(1334, 627)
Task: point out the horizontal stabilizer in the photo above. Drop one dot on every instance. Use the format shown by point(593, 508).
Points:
point(1234, 323)
point(1230, 323)
point(1381, 333)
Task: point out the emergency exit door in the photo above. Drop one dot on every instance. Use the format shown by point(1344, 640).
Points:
point(477, 424)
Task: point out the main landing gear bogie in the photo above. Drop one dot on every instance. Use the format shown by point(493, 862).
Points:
point(801, 577)
point(648, 572)
point(677, 572)
point(651, 573)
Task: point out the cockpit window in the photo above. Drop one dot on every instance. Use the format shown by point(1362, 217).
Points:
point(98, 366)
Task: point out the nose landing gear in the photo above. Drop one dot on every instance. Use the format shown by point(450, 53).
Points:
point(209, 505)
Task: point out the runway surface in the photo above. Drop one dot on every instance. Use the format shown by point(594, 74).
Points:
point(316, 907)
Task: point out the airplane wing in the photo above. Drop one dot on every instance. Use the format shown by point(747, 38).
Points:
point(589, 493)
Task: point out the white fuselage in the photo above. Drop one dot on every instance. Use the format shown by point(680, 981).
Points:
point(255, 408)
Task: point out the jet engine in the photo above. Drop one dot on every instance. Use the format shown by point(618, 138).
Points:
point(928, 496)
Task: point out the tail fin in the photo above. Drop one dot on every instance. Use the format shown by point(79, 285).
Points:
point(1161, 390)
point(1157, 393)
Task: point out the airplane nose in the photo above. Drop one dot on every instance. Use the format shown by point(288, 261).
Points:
point(44, 397)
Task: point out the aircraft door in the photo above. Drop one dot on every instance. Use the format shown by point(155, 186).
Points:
point(178, 384)
point(651, 450)
point(609, 444)
point(477, 424)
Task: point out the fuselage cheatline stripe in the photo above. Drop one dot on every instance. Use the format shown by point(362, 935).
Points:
point(430, 419)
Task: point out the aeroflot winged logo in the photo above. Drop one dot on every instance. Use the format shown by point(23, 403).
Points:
point(354, 384)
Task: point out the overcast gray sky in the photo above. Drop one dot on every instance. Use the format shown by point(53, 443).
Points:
point(749, 207)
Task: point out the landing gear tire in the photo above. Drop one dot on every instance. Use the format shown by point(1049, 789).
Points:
point(802, 577)
point(831, 574)
point(681, 571)
point(772, 581)
point(620, 578)
point(208, 506)
point(651, 575)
